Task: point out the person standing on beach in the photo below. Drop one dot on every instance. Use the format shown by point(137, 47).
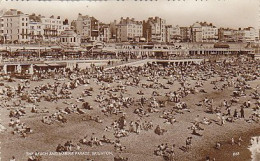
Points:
point(235, 114)
point(131, 126)
point(248, 104)
point(239, 141)
point(142, 101)
point(137, 126)
point(232, 141)
point(242, 112)
point(223, 120)
point(229, 111)
point(188, 144)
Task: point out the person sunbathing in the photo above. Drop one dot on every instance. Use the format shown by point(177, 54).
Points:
point(106, 140)
point(84, 140)
point(97, 142)
point(194, 132)
point(67, 110)
point(80, 111)
point(140, 92)
point(159, 131)
point(60, 148)
point(97, 119)
point(12, 123)
point(80, 99)
point(206, 121)
point(35, 157)
point(118, 146)
point(218, 145)
point(160, 150)
point(119, 158)
point(61, 118)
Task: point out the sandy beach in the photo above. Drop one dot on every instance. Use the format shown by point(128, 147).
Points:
point(139, 147)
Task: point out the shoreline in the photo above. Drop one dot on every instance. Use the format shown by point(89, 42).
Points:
point(229, 152)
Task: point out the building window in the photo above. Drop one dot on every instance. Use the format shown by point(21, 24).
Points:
point(22, 24)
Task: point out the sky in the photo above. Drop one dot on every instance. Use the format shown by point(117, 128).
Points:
point(222, 13)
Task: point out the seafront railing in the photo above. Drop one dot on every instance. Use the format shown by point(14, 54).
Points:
point(119, 58)
point(40, 60)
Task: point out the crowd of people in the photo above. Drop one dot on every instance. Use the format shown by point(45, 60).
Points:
point(134, 97)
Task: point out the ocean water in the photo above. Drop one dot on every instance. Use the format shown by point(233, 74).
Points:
point(255, 148)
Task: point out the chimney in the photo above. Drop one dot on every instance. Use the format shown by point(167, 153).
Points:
point(66, 22)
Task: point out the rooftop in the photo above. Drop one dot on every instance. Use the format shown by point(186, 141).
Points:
point(129, 21)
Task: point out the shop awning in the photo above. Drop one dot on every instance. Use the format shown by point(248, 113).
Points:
point(56, 65)
point(41, 65)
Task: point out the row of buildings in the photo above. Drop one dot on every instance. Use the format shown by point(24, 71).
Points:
point(17, 27)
